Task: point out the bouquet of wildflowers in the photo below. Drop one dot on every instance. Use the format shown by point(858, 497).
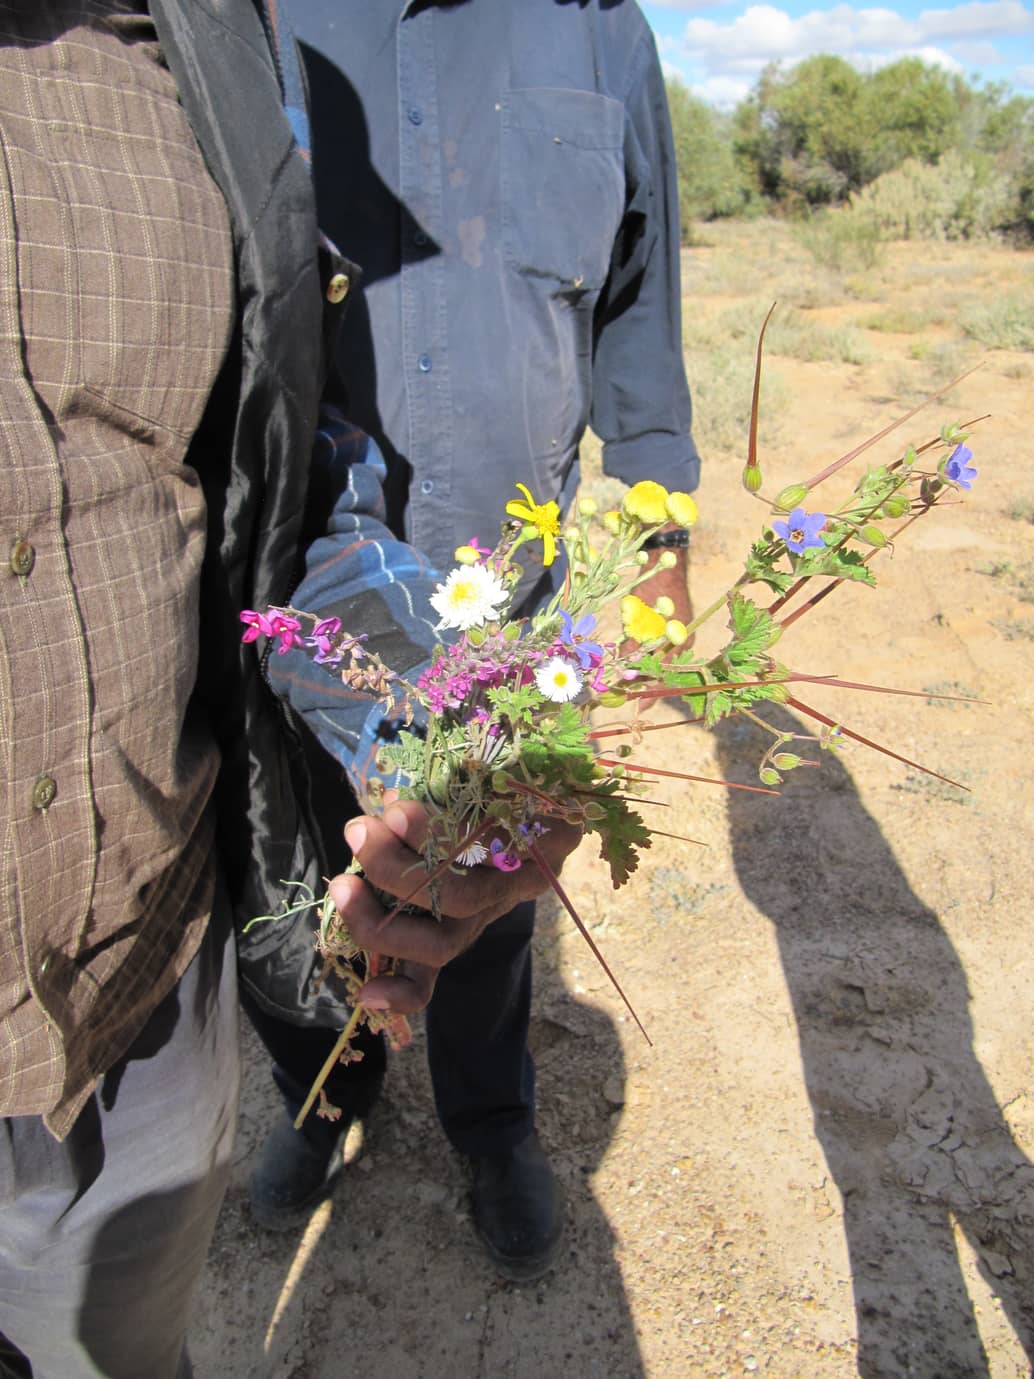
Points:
point(506, 728)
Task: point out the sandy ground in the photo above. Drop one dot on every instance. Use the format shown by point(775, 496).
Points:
point(822, 1166)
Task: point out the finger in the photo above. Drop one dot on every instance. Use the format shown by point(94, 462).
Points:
point(392, 866)
point(404, 993)
point(418, 938)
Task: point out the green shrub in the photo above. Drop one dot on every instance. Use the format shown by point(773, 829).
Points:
point(841, 240)
point(1004, 324)
point(711, 183)
point(958, 198)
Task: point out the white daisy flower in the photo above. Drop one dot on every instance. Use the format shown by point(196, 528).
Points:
point(558, 679)
point(471, 595)
point(473, 855)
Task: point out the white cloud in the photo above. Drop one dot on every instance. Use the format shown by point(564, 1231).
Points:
point(726, 56)
point(979, 19)
point(723, 91)
point(980, 53)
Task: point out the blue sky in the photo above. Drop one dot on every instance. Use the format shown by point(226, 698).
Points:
point(718, 47)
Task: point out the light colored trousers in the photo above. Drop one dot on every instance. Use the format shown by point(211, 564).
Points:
point(103, 1237)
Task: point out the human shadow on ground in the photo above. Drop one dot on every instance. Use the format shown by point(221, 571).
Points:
point(908, 1122)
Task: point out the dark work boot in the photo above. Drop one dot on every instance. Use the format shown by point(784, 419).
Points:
point(518, 1210)
point(297, 1169)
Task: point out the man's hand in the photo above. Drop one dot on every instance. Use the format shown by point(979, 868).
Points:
point(389, 850)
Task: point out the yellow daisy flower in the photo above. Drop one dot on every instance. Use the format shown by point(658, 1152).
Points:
point(646, 501)
point(544, 517)
point(639, 621)
point(682, 509)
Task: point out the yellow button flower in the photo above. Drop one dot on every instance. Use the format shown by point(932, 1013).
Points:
point(647, 501)
point(639, 621)
point(544, 517)
point(682, 509)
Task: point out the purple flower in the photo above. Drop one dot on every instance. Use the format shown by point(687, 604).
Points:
point(574, 634)
point(257, 626)
point(500, 856)
point(958, 469)
point(801, 530)
point(322, 639)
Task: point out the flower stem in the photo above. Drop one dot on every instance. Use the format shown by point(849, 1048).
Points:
point(328, 1067)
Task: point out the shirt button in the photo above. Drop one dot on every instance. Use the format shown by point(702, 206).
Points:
point(43, 793)
point(416, 115)
point(23, 557)
point(337, 288)
point(426, 485)
point(424, 363)
point(419, 239)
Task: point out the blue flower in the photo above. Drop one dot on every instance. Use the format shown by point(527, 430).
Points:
point(574, 634)
point(801, 530)
point(958, 469)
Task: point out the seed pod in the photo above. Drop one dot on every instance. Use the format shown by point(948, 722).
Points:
point(612, 699)
point(896, 505)
point(752, 480)
point(786, 761)
point(872, 536)
point(791, 497)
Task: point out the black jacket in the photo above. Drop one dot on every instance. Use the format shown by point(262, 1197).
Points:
point(252, 453)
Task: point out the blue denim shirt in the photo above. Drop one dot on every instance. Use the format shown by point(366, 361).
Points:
point(504, 174)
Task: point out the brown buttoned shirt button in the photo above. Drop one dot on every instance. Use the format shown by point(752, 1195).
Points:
point(43, 793)
point(23, 557)
point(337, 288)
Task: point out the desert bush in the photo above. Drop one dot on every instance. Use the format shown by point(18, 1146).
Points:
point(1007, 323)
point(904, 320)
point(958, 198)
point(841, 241)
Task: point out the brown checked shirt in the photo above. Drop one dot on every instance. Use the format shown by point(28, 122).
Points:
point(116, 306)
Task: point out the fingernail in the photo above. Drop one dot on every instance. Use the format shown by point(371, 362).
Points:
point(355, 834)
point(375, 1003)
point(340, 891)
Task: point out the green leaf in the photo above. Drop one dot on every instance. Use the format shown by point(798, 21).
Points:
point(760, 569)
point(754, 631)
point(841, 564)
point(622, 835)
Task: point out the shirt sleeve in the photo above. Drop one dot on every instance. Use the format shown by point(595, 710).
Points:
point(641, 406)
point(379, 587)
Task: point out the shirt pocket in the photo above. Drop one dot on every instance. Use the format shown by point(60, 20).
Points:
point(562, 183)
point(155, 289)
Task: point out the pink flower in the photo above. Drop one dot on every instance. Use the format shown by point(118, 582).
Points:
point(500, 856)
point(257, 626)
point(286, 629)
